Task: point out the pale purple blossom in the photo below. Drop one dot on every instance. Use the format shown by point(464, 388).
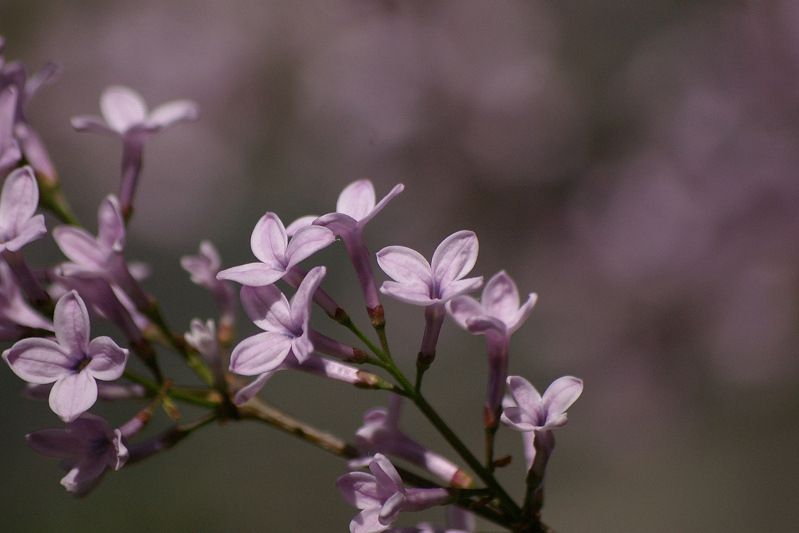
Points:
point(87, 447)
point(418, 282)
point(126, 117)
point(275, 253)
point(382, 496)
point(497, 315)
point(534, 412)
point(19, 199)
point(73, 362)
point(355, 207)
point(381, 433)
point(203, 269)
point(101, 256)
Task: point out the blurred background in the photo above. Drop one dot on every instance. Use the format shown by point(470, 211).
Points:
point(633, 162)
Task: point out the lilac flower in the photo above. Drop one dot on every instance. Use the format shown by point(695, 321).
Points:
point(73, 362)
point(535, 416)
point(417, 282)
point(203, 269)
point(101, 256)
point(382, 496)
point(354, 208)
point(125, 116)
point(270, 244)
point(87, 446)
point(497, 316)
point(381, 434)
point(285, 326)
point(18, 202)
point(534, 412)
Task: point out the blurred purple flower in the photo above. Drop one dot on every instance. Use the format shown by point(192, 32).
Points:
point(203, 269)
point(73, 362)
point(15, 313)
point(10, 153)
point(382, 496)
point(18, 202)
point(125, 116)
point(87, 447)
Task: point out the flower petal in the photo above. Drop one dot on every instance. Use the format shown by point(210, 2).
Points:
point(357, 199)
point(500, 297)
point(260, 353)
point(122, 107)
point(252, 274)
point(560, 395)
point(73, 395)
point(110, 225)
point(381, 204)
point(269, 241)
point(360, 490)
point(29, 231)
point(267, 307)
point(18, 201)
point(79, 246)
point(39, 360)
point(462, 308)
point(303, 298)
point(455, 257)
point(173, 112)
point(407, 267)
point(93, 124)
point(71, 321)
point(306, 242)
point(246, 393)
point(107, 359)
point(526, 396)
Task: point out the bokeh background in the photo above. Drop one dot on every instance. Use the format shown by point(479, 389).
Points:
point(633, 162)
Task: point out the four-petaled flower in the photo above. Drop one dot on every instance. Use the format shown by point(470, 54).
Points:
point(277, 255)
point(87, 447)
point(418, 282)
point(381, 495)
point(18, 202)
point(73, 362)
point(285, 327)
point(125, 115)
point(534, 412)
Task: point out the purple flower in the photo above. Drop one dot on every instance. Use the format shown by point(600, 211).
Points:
point(497, 316)
point(203, 269)
point(18, 202)
point(270, 244)
point(73, 362)
point(534, 412)
point(382, 496)
point(417, 282)
point(380, 433)
point(354, 208)
point(125, 116)
point(87, 447)
point(285, 326)
point(101, 256)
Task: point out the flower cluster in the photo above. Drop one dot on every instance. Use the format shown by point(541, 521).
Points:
point(47, 312)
